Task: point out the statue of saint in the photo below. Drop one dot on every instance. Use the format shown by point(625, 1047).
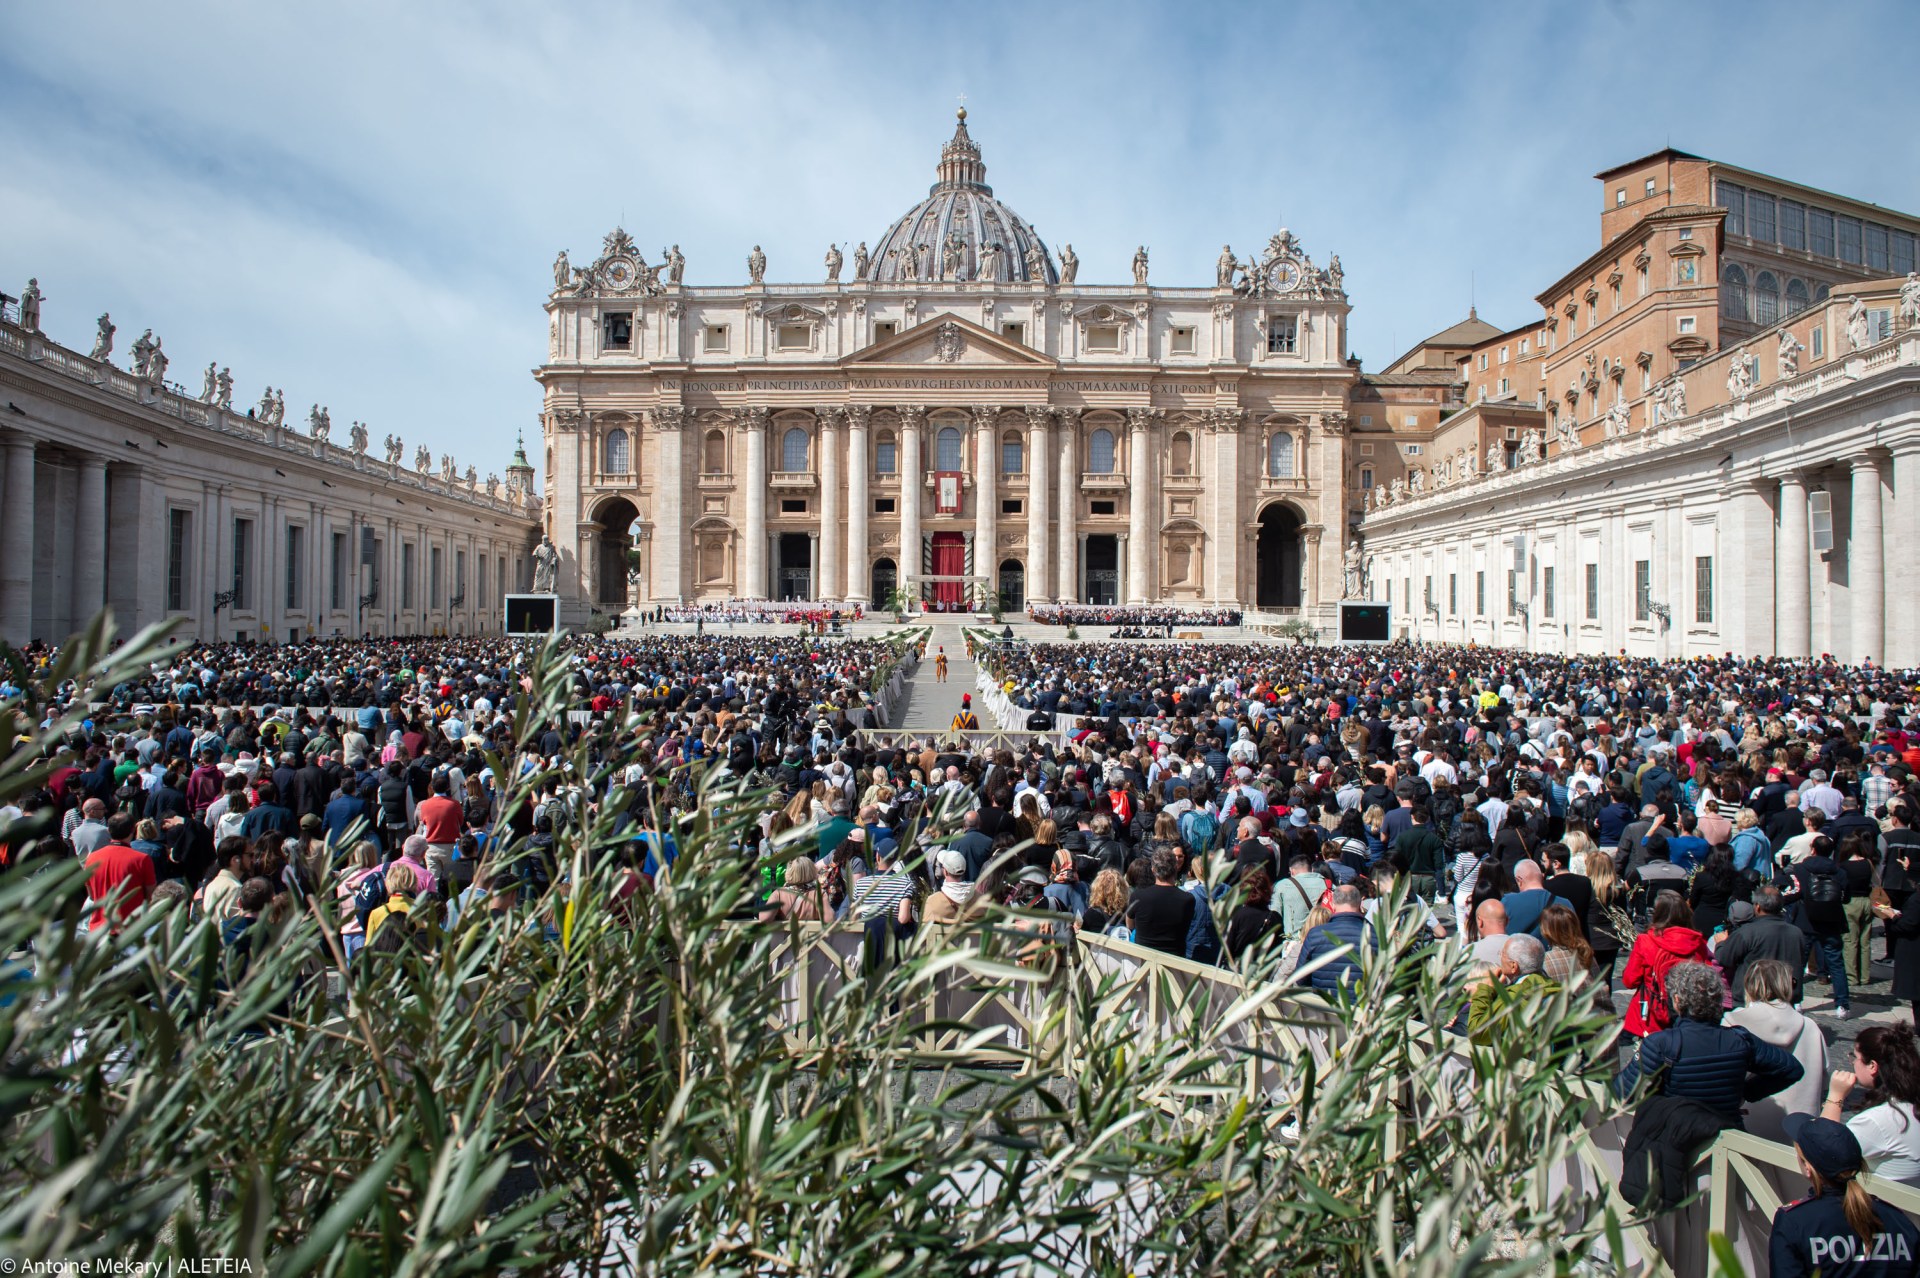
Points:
point(675, 264)
point(103, 340)
point(1140, 267)
point(157, 365)
point(1910, 300)
point(989, 262)
point(1335, 275)
point(562, 272)
point(473, 478)
point(1069, 264)
point(210, 386)
point(264, 412)
point(30, 307)
point(142, 353)
point(1619, 419)
point(446, 467)
point(319, 424)
point(1350, 566)
point(833, 263)
point(1857, 326)
point(493, 486)
point(546, 567)
point(756, 266)
point(906, 263)
point(1224, 267)
point(950, 255)
point(1789, 354)
point(1496, 458)
point(422, 459)
point(395, 449)
point(861, 261)
point(1739, 377)
point(357, 433)
point(224, 398)
point(280, 406)
point(1036, 263)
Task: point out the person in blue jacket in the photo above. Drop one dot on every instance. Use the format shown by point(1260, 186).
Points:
point(1839, 1230)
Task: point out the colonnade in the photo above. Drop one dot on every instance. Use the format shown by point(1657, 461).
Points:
point(1877, 521)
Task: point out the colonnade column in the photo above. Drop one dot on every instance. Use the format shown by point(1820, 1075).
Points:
point(89, 540)
point(859, 505)
point(913, 421)
point(1793, 617)
point(986, 498)
point(1310, 567)
point(1140, 502)
point(670, 512)
point(1039, 447)
point(830, 585)
point(1866, 563)
point(1903, 533)
point(1067, 512)
point(1226, 509)
point(753, 557)
point(16, 543)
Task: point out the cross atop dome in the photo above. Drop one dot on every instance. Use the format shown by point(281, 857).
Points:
point(960, 166)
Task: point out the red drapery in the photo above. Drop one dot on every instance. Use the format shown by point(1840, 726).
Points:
point(949, 560)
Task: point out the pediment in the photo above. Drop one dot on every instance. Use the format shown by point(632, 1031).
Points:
point(947, 341)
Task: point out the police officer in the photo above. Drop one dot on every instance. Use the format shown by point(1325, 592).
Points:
point(1839, 1230)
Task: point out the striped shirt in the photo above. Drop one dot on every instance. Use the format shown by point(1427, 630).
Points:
point(880, 894)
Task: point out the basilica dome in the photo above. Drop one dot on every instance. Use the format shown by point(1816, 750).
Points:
point(960, 232)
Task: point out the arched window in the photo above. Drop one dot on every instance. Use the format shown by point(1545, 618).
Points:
point(1733, 293)
point(1100, 452)
point(619, 452)
point(946, 449)
point(714, 458)
point(793, 451)
point(1819, 294)
point(1181, 460)
point(1280, 456)
point(1011, 462)
point(886, 455)
point(1766, 298)
point(1797, 297)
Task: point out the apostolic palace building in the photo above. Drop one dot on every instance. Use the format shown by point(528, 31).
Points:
point(949, 409)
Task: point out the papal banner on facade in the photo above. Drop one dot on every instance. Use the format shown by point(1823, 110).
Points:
point(946, 492)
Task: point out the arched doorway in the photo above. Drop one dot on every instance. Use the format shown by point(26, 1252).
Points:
point(1013, 586)
point(1277, 558)
point(616, 519)
point(885, 579)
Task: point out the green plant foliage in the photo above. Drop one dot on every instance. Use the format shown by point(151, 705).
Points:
point(625, 1084)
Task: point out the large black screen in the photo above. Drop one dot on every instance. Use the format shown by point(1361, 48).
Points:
point(1365, 622)
point(529, 614)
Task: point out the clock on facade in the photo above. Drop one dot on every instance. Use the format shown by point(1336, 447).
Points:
point(619, 273)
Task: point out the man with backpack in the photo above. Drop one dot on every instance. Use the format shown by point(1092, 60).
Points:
point(1821, 896)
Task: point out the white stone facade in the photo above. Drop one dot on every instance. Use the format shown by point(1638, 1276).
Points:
point(1783, 520)
point(961, 409)
point(119, 490)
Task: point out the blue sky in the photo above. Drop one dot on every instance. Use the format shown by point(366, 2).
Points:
point(360, 203)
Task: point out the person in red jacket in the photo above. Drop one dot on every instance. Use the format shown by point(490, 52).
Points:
point(439, 820)
point(119, 867)
point(1668, 940)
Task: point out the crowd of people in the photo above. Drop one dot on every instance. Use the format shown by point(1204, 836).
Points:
point(1732, 829)
point(1142, 617)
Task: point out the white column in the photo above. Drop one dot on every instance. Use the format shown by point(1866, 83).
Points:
point(669, 505)
point(913, 422)
point(89, 540)
point(813, 564)
point(1866, 563)
point(1039, 450)
point(753, 569)
point(1793, 621)
point(1070, 583)
point(1750, 588)
point(1141, 500)
point(1903, 533)
point(986, 497)
point(16, 543)
point(1226, 532)
point(1310, 569)
point(830, 584)
point(859, 506)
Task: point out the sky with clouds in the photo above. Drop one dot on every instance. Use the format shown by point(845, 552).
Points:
point(360, 203)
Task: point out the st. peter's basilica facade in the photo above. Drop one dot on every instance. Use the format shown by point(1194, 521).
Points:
point(949, 411)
